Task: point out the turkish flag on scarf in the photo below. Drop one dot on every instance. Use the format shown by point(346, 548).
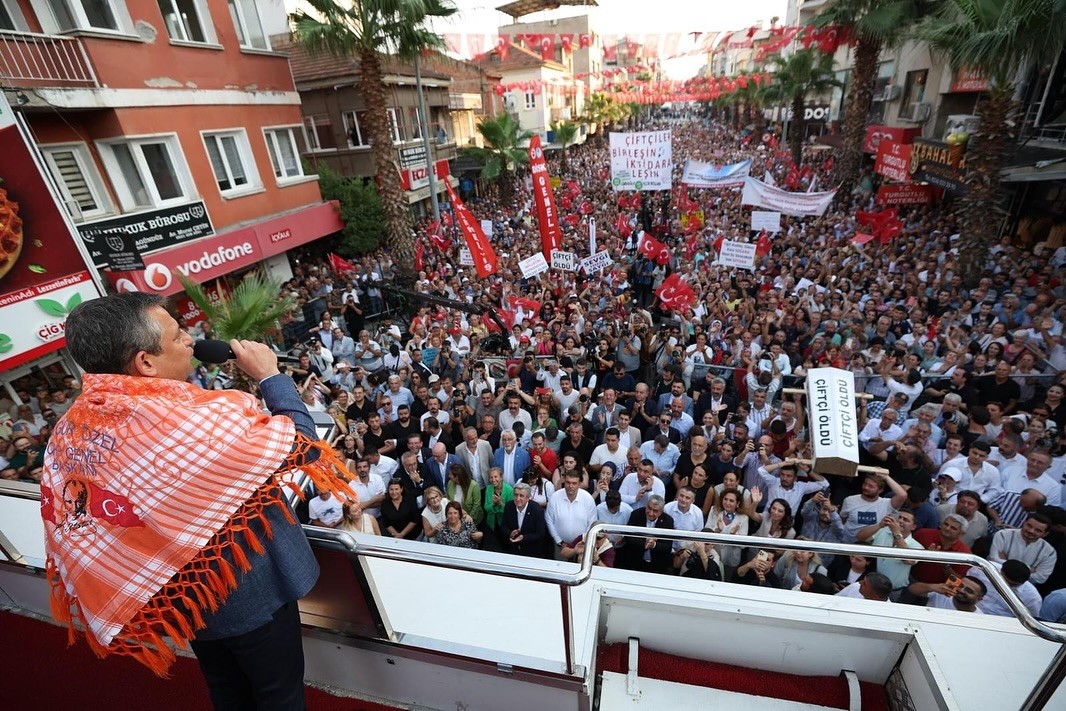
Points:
point(113, 508)
point(420, 251)
point(480, 248)
point(675, 294)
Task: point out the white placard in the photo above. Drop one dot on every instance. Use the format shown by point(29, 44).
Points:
point(466, 259)
point(737, 254)
point(598, 261)
point(532, 266)
point(698, 174)
point(641, 160)
point(769, 221)
point(486, 227)
point(832, 421)
point(760, 194)
point(564, 260)
point(592, 236)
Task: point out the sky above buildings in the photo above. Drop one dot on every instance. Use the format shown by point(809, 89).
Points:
point(635, 18)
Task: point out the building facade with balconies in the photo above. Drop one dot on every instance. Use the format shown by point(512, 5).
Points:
point(171, 124)
point(333, 115)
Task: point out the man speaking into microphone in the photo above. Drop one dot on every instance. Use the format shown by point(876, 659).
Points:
point(163, 510)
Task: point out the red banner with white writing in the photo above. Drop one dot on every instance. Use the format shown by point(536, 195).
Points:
point(476, 242)
point(551, 237)
point(905, 194)
point(893, 161)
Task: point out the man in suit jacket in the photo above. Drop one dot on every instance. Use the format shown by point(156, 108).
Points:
point(677, 389)
point(651, 555)
point(440, 462)
point(476, 455)
point(716, 401)
point(529, 536)
point(664, 426)
point(511, 458)
point(606, 414)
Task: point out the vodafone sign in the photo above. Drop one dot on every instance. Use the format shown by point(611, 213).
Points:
point(210, 258)
point(200, 261)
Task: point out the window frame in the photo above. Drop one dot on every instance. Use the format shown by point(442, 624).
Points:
point(364, 141)
point(244, 151)
point(530, 100)
point(203, 16)
point(125, 195)
point(90, 174)
point(269, 137)
point(236, 10)
point(50, 22)
point(311, 132)
point(18, 19)
point(396, 126)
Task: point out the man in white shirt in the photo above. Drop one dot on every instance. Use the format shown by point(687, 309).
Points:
point(571, 511)
point(1017, 575)
point(610, 451)
point(615, 511)
point(628, 436)
point(978, 475)
point(882, 429)
point(785, 486)
point(1007, 460)
point(1028, 545)
point(551, 376)
point(686, 516)
point(1035, 476)
point(514, 413)
point(370, 488)
point(325, 510)
point(641, 484)
point(966, 505)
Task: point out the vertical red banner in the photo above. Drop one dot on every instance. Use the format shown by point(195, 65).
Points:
point(551, 236)
point(476, 242)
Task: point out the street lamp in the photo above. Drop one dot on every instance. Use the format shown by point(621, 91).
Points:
point(423, 124)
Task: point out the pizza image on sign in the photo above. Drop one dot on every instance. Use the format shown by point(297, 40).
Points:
point(10, 233)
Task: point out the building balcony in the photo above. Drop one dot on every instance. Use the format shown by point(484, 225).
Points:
point(464, 102)
point(561, 113)
point(31, 60)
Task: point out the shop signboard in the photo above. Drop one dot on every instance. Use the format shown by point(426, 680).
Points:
point(939, 163)
point(151, 231)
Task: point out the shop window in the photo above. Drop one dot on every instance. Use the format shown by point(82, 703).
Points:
point(147, 171)
point(232, 162)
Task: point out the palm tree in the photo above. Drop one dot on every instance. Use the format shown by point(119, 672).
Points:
point(363, 30)
point(565, 135)
point(998, 39)
point(249, 312)
point(875, 24)
point(604, 111)
point(504, 149)
point(801, 74)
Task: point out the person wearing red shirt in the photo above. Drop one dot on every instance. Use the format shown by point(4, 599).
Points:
point(947, 538)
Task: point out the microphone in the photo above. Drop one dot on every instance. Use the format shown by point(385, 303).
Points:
point(209, 350)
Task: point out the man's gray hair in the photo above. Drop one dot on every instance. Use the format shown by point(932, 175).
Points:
point(718, 381)
point(957, 519)
point(104, 335)
point(522, 486)
point(953, 398)
point(929, 409)
point(656, 499)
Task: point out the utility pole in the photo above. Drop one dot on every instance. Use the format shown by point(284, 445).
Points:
point(423, 120)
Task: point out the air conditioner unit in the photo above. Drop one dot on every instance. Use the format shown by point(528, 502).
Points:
point(892, 92)
point(918, 112)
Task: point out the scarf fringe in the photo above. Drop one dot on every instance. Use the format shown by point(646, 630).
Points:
point(177, 610)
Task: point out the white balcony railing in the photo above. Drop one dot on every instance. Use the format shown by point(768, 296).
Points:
point(29, 59)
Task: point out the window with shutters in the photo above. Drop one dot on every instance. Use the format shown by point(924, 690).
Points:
point(231, 159)
point(284, 153)
point(79, 183)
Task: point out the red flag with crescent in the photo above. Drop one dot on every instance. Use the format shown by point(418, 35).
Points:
point(111, 507)
point(762, 244)
point(420, 251)
point(676, 294)
point(585, 208)
point(584, 40)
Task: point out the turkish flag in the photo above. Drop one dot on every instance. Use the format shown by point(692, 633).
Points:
point(503, 46)
point(48, 504)
point(675, 294)
point(762, 244)
point(446, 218)
point(420, 250)
point(574, 188)
point(690, 247)
point(340, 265)
point(566, 201)
point(440, 242)
point(547, 46)
point(718, 243)
point(584, 40)
point(664, 255)
point(585, 208)
point(604, 173)
point(889, 230)
point(110, 507)
point(572, 220)
point(622, 225)
point(566, 41)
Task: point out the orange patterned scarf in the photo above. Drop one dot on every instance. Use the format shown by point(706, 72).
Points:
point(147, 483)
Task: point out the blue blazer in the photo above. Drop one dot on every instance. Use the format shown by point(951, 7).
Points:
point(437, 473)
point(521, 462)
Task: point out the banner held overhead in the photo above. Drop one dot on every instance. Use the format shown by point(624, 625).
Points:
point(641, 160)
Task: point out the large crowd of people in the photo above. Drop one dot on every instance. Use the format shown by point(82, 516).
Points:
point(597, 404)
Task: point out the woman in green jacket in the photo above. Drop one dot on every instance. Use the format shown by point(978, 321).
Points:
point(497, 494)
point(466, 491)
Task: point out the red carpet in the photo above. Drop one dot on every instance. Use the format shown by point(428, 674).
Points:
point(823, 690)
point(43, 673)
